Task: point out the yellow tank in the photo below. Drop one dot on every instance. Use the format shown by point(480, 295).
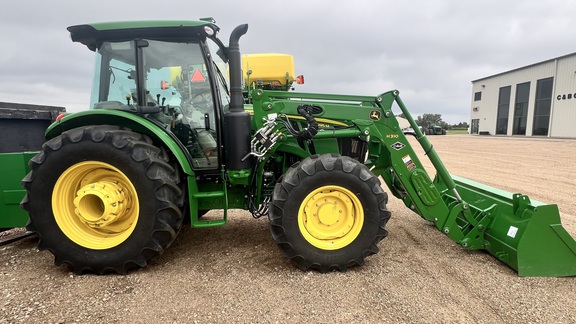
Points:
point(272, 69)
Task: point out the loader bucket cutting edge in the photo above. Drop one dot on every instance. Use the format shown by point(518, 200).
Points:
point(526, 235)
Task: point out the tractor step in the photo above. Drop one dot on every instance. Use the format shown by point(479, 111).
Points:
point(210, 194)
point(198, 222)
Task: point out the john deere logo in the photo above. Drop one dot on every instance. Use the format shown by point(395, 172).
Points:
point(375, 114)
point(397, 146)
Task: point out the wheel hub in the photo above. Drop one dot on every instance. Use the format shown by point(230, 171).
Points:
point(331, 217)
point(95, 205)
point(101, 203)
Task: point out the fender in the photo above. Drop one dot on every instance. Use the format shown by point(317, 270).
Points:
point(125, 119)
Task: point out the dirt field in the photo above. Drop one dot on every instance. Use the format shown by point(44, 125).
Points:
point(237, 274)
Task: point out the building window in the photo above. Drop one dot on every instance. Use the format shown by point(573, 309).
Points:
point(478, 96)
point(503, 109)
point(521, 108)
point(542, 106)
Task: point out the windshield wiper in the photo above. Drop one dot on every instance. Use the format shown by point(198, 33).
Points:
point(221, 77)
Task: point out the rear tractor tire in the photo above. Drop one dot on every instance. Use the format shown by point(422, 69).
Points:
point(328, 213)
point(103, 199)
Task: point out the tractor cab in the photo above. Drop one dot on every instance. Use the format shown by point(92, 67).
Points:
point(165, 72)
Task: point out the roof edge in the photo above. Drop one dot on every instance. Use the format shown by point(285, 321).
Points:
point(524, 67)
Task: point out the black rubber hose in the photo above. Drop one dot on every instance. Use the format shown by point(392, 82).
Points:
point(308, 133)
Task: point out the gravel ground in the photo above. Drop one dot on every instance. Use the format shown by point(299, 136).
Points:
point(237, 274)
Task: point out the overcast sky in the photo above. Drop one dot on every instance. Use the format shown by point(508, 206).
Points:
point(429, 50)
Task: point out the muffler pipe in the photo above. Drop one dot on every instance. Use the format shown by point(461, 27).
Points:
point(235, 61)
point(237, 126)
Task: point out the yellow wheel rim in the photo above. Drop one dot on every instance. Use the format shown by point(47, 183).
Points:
point(95, 205)
point(330, 217)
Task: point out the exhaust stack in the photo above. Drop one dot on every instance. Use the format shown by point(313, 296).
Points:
point(237, 128)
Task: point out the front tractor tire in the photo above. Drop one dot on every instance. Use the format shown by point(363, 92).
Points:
point(328, 213)
point(103, 199)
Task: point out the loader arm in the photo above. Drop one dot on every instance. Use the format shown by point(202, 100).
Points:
point(527, 236)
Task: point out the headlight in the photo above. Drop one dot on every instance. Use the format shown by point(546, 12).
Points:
point(208, 30)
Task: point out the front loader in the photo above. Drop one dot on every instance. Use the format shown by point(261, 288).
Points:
point(168, 137)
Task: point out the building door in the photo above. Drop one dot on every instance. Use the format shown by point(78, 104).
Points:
point(475, 126)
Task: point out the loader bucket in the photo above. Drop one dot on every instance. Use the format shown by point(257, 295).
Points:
point(526, 235)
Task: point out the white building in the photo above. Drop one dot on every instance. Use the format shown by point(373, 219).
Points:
point(535, 100)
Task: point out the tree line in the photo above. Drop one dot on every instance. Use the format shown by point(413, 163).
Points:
point(429, 120)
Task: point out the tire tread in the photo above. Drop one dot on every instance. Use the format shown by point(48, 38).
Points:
point(158, 170)
point(307, 168)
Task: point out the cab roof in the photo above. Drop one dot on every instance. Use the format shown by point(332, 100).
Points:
point(92, 35)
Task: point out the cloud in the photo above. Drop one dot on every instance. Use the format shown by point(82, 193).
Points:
point(429, 50)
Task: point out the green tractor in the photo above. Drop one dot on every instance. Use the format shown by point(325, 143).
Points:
point(169, 136)
point(435, 130)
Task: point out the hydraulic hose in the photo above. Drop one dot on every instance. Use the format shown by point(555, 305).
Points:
point(312, 129)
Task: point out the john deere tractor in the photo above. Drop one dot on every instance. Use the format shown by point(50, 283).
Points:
point(169, 136)
point(435, 130)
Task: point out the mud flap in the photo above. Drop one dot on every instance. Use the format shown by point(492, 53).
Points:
point(526, 235)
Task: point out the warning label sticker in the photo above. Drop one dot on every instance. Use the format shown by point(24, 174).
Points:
point(512, 231)
point(408, 162)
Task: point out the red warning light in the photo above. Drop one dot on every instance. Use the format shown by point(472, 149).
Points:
point(300, 79)
point(197, 76)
